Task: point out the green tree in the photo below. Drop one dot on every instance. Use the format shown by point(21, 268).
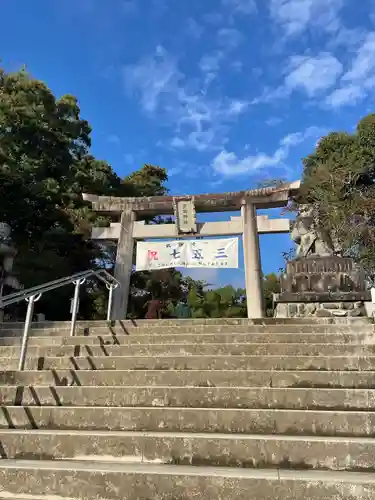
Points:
point(224, 302)
point(167, 285)
point(271, 285)
point(338, 182)
point(45, 166)
point(148, 181)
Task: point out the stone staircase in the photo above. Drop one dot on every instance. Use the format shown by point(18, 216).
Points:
point(178, 410)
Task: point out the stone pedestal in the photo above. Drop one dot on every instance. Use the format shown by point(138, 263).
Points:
point(322, 287)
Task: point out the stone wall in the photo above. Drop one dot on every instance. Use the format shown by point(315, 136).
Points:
point(320, 309)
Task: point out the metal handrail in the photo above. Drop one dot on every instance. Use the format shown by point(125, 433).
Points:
point(15, 297)
point(32, 295)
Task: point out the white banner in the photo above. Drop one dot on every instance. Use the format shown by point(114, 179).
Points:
point(221, 253)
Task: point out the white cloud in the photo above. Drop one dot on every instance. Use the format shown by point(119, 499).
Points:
point(312, 74)
point(363, 65)
point(204, 121)
point(237, 107)
point(229, 164)
point(359, 79)
point(347, 37)
point(346, 95)
point(199, 122)
point(174, 171)
point(294, 16)
point(194, 29)
point(272, 122)
point(229, 38)
point(152, 77)
point(199, 138)
point(241, 6)
point(210, 65)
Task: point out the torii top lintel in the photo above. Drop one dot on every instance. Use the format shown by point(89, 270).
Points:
point(269, 197)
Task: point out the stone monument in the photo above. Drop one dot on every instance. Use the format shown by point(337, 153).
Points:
point(319, 282)
point(7, 254)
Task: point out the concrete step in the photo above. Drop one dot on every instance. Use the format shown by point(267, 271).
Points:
point(203, 378)
point(183, 330)
point(223, 450)
point(234, 349)
point(195, 322)
point(201, 338)
point(7, 495)
point(190, 397)
point(209, 420)
point(114, 480)
point(181, 362)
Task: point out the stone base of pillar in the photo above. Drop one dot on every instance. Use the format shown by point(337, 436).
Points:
point(321, 307)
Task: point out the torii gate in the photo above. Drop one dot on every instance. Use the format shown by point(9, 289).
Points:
point(248, 225)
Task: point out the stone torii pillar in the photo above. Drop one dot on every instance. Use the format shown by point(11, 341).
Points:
point(253, 266)
point(124, 264)
point(248, 225)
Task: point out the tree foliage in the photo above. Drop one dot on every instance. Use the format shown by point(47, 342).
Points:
point(167, 285)
point(338, 182)
point(45, 166)
point(149, 181)
point(271, 285)
point(225, 302)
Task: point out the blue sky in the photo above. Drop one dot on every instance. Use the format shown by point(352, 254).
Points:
point(222, 93)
